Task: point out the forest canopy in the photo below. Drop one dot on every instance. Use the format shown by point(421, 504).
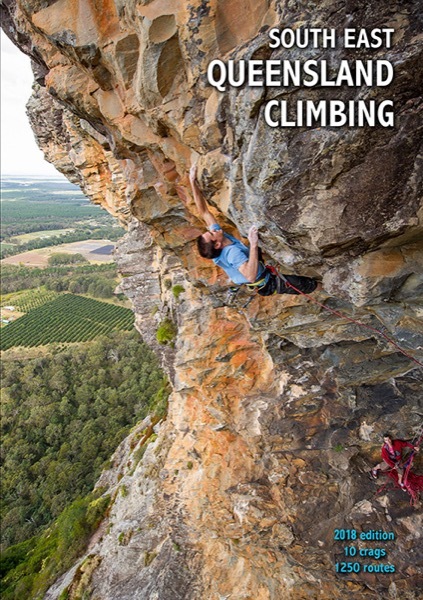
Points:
point(63, 416)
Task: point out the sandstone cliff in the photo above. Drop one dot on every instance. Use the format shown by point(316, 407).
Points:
point(277, 408)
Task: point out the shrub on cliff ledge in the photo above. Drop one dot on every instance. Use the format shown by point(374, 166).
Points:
point(166, 332)
point(177, 290)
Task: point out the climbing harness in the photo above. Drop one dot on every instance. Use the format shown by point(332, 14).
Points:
point(261, 283)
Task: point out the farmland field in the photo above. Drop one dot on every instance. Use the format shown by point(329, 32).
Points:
point(26, 237)
point(88, 249)
point(60, 208)
point(68, 318)
point(27, 300)
point(40, 204)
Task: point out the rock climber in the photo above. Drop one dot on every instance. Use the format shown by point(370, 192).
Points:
point(392, 458)
point(241, 263)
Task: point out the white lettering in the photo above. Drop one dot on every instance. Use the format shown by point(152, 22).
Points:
point(273, 69)
point(221, 67)
point(267, 113)
point(291, 73)
point(316, 113)
point(273, 34)
point(363, 73)
point(329, 38)
point(366, 112)
point(324, 81)
point(378, 35)
point(378, 38)
point(333, 113)
point(309, 71)
point(349, 38)
point(337, 113)
point(287, 38)
point(386, 117)
point(255, 69)
point(351, 113)
point(284, 115)
point(302, 38)
point(380, 65)
point(299, 113)
point(388, 33)
point(362, 39)
point(232, 73)
point(344, 74)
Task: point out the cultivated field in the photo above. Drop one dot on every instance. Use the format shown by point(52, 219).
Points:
point(68, 318)
point(35, 235)
point(26, 300)
point(14, 306)
point(92, 250)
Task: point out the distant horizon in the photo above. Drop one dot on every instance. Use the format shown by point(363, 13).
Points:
point(37, 175)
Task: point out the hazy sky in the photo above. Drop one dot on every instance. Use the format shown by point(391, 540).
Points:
point(20, 154)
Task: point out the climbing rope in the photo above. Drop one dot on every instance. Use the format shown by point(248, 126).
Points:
point(410, 459)
point(343, 316)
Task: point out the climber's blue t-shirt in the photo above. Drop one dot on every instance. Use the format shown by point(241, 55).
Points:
point(232, 257)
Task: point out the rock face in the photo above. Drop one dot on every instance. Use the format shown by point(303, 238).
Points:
point(278, 407)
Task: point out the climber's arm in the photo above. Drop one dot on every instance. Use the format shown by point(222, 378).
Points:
point(199, 199)
point(250, 268)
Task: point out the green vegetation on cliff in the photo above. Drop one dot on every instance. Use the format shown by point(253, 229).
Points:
point(29, 568)
point(166, 331)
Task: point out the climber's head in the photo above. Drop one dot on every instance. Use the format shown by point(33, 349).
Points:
point(387, 438)
point(210, 244)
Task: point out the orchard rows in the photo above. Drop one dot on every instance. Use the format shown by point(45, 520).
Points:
point(28, 300)
point(68, 318)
